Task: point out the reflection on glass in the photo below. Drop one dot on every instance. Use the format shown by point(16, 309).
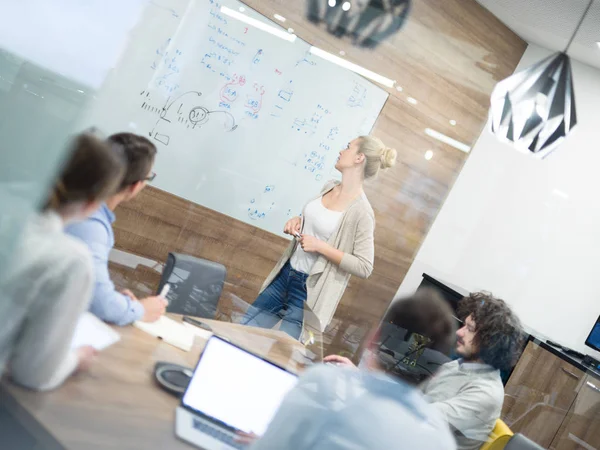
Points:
point(378, 405)
point(53, 58)
point(38, 108)
point(406, 354)
point(367, 22)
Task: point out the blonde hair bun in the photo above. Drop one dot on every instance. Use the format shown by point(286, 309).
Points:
point(388, 157)
point(377, 155)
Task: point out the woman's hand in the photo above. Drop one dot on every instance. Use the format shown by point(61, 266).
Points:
point(86, 356)
point(292, 226)
point(311, 244)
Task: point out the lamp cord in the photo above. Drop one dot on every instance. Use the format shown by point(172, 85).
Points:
point(579, 25)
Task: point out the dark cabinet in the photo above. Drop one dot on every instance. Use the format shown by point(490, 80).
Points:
point(540, 393)
point(581, 427)
point(553, 399)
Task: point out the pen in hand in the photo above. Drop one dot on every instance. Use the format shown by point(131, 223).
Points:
point(165, 291)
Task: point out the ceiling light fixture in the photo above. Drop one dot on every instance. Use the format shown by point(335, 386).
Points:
point(453, 122)
point(279, 17)
point(534, 109)
point(346, 6)
point(332, 3)
point(412, 100)
point(258, 24)
point(351, 66)
point(428, 155)
point(447, 140)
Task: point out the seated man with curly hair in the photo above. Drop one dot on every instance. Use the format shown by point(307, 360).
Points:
point(469, 391)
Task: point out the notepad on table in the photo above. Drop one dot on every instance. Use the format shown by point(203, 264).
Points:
point(170, 331)
point(92, 331)
point(204, 334)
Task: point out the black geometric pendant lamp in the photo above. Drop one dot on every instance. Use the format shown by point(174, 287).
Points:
point(534, 109)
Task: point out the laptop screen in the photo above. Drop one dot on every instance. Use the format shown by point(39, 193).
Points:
point(236, 387)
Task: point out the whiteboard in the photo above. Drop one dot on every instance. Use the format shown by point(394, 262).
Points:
point(246, 123)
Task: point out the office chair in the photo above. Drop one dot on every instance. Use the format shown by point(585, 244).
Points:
point(520, 442)
point(232, 308)
point(499, 437)
point(196, 285)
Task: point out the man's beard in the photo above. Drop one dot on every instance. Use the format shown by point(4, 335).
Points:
point(467, 357)
point(470, 357)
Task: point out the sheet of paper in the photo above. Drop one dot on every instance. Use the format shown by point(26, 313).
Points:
point(92, 331)
point(170, 331)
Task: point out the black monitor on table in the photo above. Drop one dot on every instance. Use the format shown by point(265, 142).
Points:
point(593, 340)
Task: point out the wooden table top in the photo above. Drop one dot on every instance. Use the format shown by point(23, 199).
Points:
point(118, 405)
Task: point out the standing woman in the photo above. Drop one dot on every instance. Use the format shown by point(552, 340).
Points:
point(335, 237)
point(49, 283)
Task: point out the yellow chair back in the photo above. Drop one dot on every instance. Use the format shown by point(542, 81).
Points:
point(499, 437)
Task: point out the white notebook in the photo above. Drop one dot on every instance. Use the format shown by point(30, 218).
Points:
point(204, 334)
point(92, 331)
point(170, 331)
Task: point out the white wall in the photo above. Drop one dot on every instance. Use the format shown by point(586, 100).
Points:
point(528, 230)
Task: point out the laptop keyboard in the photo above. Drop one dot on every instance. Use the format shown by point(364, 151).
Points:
point(218, 433)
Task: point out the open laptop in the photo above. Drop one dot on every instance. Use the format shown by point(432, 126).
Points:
point(231, 390)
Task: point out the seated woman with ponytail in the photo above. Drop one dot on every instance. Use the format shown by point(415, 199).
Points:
point(49, 283)
point(333, 240)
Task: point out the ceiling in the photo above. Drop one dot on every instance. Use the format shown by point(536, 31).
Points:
point(550, 24)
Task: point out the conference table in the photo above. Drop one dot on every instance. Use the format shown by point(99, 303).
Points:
point(118, 405)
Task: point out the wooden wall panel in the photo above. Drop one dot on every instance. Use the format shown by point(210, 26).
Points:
point(448, 56)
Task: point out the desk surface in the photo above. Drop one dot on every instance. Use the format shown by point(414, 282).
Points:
point(117, 404)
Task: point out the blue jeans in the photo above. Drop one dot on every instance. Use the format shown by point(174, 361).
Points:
point(282, 300)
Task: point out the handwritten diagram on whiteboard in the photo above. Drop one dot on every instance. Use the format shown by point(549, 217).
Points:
point(246, 123)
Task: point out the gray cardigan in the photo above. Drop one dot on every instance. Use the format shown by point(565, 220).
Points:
point(45, 290)
point(327, 281)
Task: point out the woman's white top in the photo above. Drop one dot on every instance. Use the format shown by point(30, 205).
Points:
point(319, 222)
